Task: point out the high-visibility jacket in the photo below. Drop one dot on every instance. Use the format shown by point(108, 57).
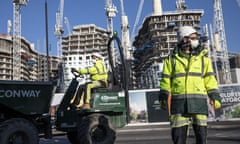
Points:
point(189, 81)
point(97, 72)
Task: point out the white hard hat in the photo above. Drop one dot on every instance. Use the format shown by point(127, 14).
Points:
point(97, 55)
point(185, 31)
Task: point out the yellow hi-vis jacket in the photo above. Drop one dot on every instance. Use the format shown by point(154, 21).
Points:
point(189, 81)
point(97, 72)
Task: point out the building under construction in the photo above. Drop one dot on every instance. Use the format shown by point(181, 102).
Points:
point(80, 44)
point(33, 66)
point(156, 39)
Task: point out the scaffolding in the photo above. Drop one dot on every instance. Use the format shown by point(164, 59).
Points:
point(220, 44)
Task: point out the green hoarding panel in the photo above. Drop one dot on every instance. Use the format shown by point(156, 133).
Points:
point(112, 102)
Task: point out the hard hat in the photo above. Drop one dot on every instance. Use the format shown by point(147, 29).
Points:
point(97, 55)
point(185, 31)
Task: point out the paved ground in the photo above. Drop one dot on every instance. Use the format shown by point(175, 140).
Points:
point(218, 133)
point(224, 132)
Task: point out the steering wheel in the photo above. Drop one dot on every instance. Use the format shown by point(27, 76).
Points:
point(77, 74)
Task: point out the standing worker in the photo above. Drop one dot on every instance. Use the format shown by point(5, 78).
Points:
point(98, 75)
point(187, 81)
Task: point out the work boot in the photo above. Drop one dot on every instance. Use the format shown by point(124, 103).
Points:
point(80, 104)
point(86, 106)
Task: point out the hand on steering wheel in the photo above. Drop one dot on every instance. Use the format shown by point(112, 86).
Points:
point(76, 73)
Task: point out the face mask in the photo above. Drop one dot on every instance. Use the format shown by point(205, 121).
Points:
point(93, 61)
point(194, 43)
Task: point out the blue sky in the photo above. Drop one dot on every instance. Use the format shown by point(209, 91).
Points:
point(92, 12)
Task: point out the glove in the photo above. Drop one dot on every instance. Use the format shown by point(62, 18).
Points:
point(216, 104)
point(73, 70)
point(163, 96)
point(163, 104)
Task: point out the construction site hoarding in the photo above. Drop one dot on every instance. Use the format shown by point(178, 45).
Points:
point(145, 107)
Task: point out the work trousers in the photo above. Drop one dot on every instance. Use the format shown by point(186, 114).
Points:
point(83, 95)
point(180, 129)
point(89, 87)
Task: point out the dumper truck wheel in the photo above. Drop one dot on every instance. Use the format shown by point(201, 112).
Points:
point(18, 131)
point(96, 129)
point(72, 137)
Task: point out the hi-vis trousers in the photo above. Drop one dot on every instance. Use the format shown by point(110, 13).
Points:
point(83, 94)
point(180, 123)
point(89, 87)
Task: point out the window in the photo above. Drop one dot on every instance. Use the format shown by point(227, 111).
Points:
point(156, 68)
point(159, 74)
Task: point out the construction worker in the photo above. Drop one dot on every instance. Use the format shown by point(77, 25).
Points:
point(98, 75)
point(188, 80)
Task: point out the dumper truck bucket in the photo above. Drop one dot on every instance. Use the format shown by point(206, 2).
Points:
point(26, 97)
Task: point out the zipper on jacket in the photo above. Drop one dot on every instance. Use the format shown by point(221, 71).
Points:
point(186, 77)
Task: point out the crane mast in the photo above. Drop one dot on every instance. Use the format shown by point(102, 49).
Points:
point(66, 21)
point(238, 2)
point(59, 28)
point(125, 32)
point(59, 33)
point(111, 12)
point(16, 74)
point(9, 27)
point(139, 12)
point(220, 43)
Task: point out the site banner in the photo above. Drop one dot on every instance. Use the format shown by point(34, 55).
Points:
point(230, 95)
point(230, 98)
point(145, 107)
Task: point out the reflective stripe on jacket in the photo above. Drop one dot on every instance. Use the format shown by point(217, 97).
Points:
point(189, 82)
point(178, 120)
point(98, 71)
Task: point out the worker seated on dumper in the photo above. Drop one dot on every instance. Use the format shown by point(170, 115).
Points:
point(98, 75)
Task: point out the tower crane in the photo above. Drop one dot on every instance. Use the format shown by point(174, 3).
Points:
point(66, 21)
point(137, 18)
point(9, 27)
point(59, 27)
point(16, 73)
point(125, 32)
point(220, 43)
point(111, 12)
point(65, 72)
point(180, 5)
point(238, 2)
point(59, 32)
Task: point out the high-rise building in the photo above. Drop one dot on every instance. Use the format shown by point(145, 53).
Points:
point(80, 44)
point(32, 64)
point(156, 39)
